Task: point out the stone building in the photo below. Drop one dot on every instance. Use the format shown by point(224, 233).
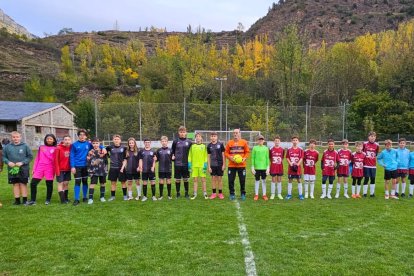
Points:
point(34, 120)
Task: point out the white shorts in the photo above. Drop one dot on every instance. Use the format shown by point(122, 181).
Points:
point(309, 177)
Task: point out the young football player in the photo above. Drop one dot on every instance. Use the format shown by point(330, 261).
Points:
point(276, 155)
point(164, 167)
point(216, 165)
point(179, 149)
point(402, 170)
point(328, 166)
point(98, 169)
point(411, 174)
point(260, 166)
point(294, 157)
point(44, 167)
point(344, 155)
point(62, 164)
point(117, 154)
point(371, 149)
point(310, 157)
point(197, 164)
point(147, 161)
point(130, 168)
point(388, 158)
point(357, 161)
point(17, 156)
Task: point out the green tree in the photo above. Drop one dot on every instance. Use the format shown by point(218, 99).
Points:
point(85, 115)
point(37, 91)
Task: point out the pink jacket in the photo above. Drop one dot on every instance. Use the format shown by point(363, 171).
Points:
point(45, 159)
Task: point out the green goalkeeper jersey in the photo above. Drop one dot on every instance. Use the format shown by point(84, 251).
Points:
point(260, 157)
point(197, 155)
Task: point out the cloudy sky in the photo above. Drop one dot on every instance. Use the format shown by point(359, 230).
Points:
point(50, 16)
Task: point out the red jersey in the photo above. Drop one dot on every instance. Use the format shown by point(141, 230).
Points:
point(294, 156)
point(344, 158)
point(62, 163)
point(310, 157)
point(371, 150)
point(358, 159)
point(276, 160)
point(329, 159)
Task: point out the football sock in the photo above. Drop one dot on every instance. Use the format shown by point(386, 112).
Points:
point(338, 188)
point(161, 186)
point(124, 191)
point(358, 189)
point(345, 188)
point(49, 189)
point(178, 187)
point(256, 187)
point(66, 194)
point(186, 187)
point(139, 187)
point(130, 193)
point(397, 188)
point(113, 193)
point(290, 188)
point(33, 188)
point(220, 191)
point(77, 192)
point(403, 185)
point(411, 189)
point(144, 189)
point(62, 196)
point(169, 189)
point(324, 189)
point(153, 190)
point(85, 190)
point(102, 190)
point(353, 189)
point(91, 191)
point(273, 188)
point(300, 188)
point(214, 191)
point(393, 192)
point(386, 192)
point(306, 187)
point(312, 187)
point(17, 200)
point(24, 199)
point(372, 189)
point(365, 189)
point(330, 187)
point(279, 188)
point(264, 187)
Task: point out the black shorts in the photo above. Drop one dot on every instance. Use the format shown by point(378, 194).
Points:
point(95, 178)
point(63, 177)
point(260, 174)
point(342, 175)
point(181, 172)
point(18, 180)
point(164, 175)
point(148, 176)
point(294, 176)
point(115, 175)
point(276, 174)
point(390, 174)
point(133, 176)
point(402, 173)
point(216, 171)
point(370, 172)
point(331, 179)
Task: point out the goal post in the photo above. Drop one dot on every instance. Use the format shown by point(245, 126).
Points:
point(223, 136)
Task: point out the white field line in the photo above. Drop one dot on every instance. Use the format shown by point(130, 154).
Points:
point(248, 252)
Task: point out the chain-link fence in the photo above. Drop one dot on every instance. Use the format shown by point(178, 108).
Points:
point(152, 120)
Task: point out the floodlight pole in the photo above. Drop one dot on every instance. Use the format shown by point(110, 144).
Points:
point(221, 100)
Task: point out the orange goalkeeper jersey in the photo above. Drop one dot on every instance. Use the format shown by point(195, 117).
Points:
point(240, 147)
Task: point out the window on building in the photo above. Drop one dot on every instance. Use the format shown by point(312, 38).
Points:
point(38, 129)
point(9, 127)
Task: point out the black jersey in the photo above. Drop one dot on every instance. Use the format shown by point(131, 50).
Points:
point(216, 154)
point(164, 160)
point(132, 162)
point(116, 155)
point(180, 149)
point(147, 157)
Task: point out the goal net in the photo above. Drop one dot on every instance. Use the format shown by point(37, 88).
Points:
point(224, 136)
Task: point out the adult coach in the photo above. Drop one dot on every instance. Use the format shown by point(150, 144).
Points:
point(233, 147)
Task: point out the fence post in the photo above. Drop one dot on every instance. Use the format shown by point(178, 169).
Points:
point(306, 121)
point(184, 111)
point(226, 122)
point(343, 121)
point(267, 120)
point(140, 121)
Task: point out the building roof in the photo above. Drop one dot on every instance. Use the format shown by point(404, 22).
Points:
point(16, 111)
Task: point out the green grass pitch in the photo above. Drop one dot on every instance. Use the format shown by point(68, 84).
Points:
point(338, 236)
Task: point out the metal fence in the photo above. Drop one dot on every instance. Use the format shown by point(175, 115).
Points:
point(152, 120)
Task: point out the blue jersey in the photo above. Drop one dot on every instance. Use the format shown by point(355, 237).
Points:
point(403, 158)
point(411, 163)
point(78, 153)
point(388, 159)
